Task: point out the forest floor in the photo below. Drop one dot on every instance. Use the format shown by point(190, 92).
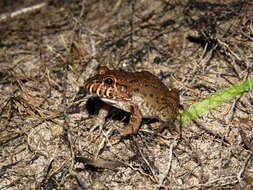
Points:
point(48, 49)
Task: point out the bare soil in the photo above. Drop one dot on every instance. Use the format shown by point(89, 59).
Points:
point(49, 48)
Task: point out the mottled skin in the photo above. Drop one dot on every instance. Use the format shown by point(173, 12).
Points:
point(140, 93)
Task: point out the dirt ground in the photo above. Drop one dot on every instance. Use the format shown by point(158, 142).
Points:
point(49, 48)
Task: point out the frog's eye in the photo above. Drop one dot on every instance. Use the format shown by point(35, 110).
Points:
point(109, 81)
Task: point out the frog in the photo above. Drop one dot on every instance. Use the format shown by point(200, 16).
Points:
point(141, 94)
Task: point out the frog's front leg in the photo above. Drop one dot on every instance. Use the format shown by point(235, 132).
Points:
point(100, 120)
point(135, 121)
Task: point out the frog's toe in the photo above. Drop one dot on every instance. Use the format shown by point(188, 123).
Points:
point(93, 123)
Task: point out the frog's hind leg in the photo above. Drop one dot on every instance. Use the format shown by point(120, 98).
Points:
point(134, 123)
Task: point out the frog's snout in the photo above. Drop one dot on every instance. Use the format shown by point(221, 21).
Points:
point(80, 94)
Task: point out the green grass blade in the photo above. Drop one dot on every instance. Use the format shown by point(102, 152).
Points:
point(68, 52)
point(199, 108)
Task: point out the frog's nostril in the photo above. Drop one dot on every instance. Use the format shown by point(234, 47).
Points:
point(81, 94)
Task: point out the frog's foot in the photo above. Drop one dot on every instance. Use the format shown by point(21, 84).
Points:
point(98, 122)
point(95, 122)
point(92, 124)
point(134, 123)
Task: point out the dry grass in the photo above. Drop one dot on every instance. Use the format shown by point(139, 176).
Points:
point(199, 47)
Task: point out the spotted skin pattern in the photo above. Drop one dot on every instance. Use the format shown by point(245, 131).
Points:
point(140, 93)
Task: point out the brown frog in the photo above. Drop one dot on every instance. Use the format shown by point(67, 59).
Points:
point(140, 93)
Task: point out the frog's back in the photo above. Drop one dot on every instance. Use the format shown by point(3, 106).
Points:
point(151, 95)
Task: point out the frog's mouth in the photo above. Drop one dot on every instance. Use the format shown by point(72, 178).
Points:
point(119, 103)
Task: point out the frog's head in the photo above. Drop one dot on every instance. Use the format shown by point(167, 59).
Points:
point(105, 86)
